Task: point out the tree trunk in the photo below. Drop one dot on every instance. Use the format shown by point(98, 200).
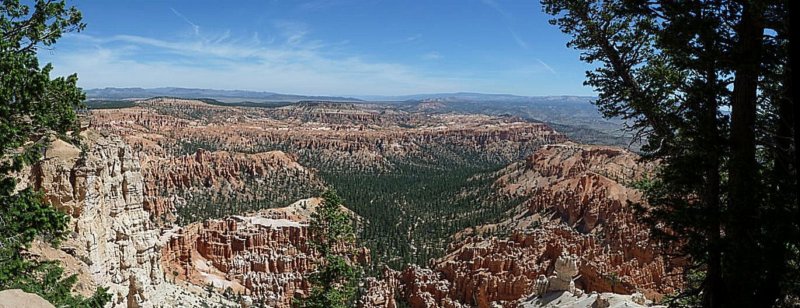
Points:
point(710, 137)
point(714, 290)
point(792, 93)
point(781, 207)
point(742, 263)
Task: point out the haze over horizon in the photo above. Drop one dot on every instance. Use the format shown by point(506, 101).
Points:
point(322, 47)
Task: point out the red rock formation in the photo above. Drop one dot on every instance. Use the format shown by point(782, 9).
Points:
point(576, 198)
point(575, 203)
point(221, 173)
point(264, 255)
point(113, 242)
point(213, 169)
point(360, 135)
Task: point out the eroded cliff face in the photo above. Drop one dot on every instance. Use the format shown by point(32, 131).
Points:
point(361, 136)
point(586, 191)
point(113, 241)
point(576, 204)
point(224, 177)
point(264, 256)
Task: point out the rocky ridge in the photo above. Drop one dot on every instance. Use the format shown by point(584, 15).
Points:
point(196, 155)
point(264, 256)
point(166, 127)
point(577, 205)
point(17, 298)
point(114, 243)
point(224, 177)
point(575, 209)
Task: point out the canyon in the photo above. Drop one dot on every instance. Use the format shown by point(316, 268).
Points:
point(176, 202)
point(577, 208)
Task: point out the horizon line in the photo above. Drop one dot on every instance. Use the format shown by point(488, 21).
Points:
point(341, 96)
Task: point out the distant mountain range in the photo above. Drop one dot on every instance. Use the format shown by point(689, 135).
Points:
point(575, 116)
point(258, 96)
point(482, 97)
point(221, 95)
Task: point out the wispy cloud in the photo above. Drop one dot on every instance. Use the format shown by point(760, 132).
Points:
point(195, 27)
point(496, 6)
point(518, 39)
point(283, 56)
point(293, 31)
point(294, 63)
point(546, 66)
point(507, 20)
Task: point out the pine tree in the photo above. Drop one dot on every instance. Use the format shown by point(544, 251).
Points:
point(32, 107)
point(335, 281)
point(706, 84)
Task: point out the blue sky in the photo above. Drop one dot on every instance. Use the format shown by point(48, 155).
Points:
point(322, 47)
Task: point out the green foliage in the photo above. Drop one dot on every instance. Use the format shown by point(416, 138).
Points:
point(46, 279)
point(23, 218)
point(707, 85)
point(335, 285)
point(330, 225)
point(265, 104)
point(411, 205)
point(335, 281)
point(694, 280)
point(109, 104)
point(26, 217)
point(411, 211)
point(273, 189)
point(32, 107)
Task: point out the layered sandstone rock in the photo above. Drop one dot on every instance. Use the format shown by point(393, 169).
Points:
point(102, 190)
point(357, 136)
point(17, 298)
point(113, 239)
point(211, 170)
point(264, 255)
point(574, 231)
point(591, 300)
point(588, 189)
point(381, 292)
point(575, 200)
point(193, 153)
point(566, 267)
point(222, 176)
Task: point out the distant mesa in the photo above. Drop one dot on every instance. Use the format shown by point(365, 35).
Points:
point(263, 96)
point(221, 95)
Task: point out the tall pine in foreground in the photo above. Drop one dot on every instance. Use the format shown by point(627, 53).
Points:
point(334, 283)
point(32, 107)
point(707, 85)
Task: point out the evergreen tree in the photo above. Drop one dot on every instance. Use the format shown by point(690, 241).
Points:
point(32, 107)
point(335, 281)
point(707, 84)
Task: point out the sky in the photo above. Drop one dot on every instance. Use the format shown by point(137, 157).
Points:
point(321, 47)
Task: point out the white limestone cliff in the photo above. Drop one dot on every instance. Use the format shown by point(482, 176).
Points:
point(113, 236)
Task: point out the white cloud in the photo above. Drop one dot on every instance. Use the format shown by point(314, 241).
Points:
point(507, 20)
point(195, 27)
point(546, 66)
point(285, 58)
point(517, 39)
point(496, 6)
point(293, 31)
point(293, 64)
